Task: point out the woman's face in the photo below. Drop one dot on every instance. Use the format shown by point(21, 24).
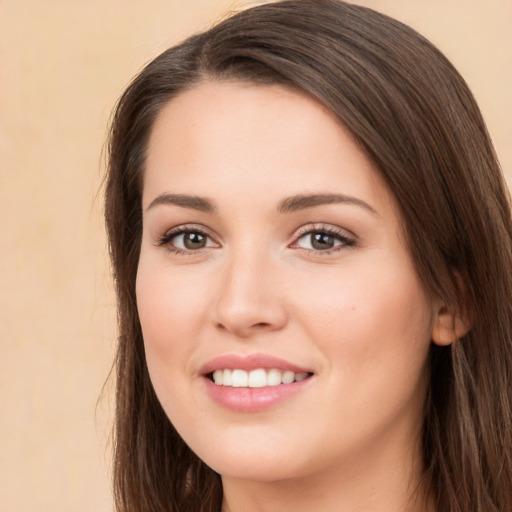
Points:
point(273, 259)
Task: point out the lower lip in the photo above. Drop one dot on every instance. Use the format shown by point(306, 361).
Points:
point(253, 399)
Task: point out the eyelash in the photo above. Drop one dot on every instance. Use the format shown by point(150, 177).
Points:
point(166, 238)
point(337, 234)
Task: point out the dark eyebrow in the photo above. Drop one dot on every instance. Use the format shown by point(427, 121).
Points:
point(185, 201)
point(301, 202)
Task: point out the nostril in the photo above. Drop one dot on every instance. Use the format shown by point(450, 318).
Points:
point(254, 327)
point(261, 325)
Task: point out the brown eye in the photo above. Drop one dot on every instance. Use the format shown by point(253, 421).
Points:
point(187, 241)
point(194, 240)
point(320, 240)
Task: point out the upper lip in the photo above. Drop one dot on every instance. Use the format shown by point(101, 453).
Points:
point(250, 362)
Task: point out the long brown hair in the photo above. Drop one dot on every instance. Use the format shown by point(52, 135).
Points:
point(415, 117)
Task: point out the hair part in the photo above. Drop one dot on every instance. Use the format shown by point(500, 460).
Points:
point(415, 118)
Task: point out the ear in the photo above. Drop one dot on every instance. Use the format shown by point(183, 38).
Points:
point(449, 327)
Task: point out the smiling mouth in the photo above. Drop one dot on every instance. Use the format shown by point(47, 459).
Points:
point(258, 378)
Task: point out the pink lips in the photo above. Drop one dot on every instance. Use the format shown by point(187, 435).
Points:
point(250, 362)
point(251, 399)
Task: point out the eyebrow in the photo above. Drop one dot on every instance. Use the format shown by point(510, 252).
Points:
point(288, 205)
point(185, 201)
point(302, 202)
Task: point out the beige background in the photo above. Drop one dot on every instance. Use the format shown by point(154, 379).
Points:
point(63, 63)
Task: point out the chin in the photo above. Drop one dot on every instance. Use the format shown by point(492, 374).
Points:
point(256, 469)
point(247, 458)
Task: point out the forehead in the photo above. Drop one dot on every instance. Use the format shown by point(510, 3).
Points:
point(255, 139)
point(216, 113)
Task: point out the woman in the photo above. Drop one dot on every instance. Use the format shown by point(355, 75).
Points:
point(311, 242)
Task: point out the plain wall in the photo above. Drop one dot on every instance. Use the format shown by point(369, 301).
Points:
point(62, 66)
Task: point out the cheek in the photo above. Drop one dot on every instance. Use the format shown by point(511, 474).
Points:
point(373, 329)
point(168, 303)
point(375, 318)
point(170, 313)
point(169, 316)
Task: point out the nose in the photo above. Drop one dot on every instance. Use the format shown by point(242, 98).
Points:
point(250, 300)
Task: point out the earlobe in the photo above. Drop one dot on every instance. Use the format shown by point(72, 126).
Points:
point(449, 327)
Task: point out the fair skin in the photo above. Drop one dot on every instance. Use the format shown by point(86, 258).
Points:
point(235, 262)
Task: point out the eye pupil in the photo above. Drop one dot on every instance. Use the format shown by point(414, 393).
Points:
point(321, 241)
point(194, 240)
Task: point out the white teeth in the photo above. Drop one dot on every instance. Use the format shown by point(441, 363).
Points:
point(258, 378)
point(227, 381)
point(218, 377)
point(288, 377)
point(273, 378)
point(240, 378)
